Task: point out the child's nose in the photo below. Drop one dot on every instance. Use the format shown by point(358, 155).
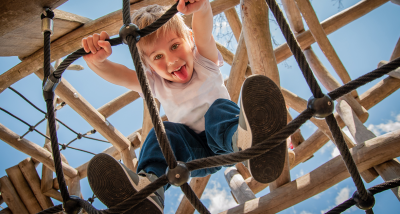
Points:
point(172, 60)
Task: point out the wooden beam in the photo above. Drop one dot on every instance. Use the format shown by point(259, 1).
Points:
point(147, 124)
point(197, 184)
point(15, 14)
point(234, 21)
point(390, 170)
point(74, 186)
point(68, 93)
point(330, 25)
point(361, 134)
point(33, 150)
point(53, 193)
point(396, 51)
point(237, 74)
point(24, 191)
point(365, 155)
point(243, 170)
point(258, 38)
point(11, 196)
point(323, 42)
point(329, 82)
point(116, 104)
point(395, 73)
point(293, 16)
point(240, 190)
point(28, 170)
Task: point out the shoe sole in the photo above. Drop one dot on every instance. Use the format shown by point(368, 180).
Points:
point(103, 169)
point(264, 111)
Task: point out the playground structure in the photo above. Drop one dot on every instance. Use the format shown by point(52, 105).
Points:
point(351, 109)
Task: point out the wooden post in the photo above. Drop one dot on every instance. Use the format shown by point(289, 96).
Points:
point(197, 185)
point(28, 170)
point(258, 39)
point(147, 124)
point(11, 196)
point(239, 65)
point(396, 51)
point(234, 21)
point(319, 34)
point(74, 186)
point(293, 16)
point(240, 190)
point(371, 153)
point(243, 170)
point(116, 104)
point(23, 189)
point(361, 134)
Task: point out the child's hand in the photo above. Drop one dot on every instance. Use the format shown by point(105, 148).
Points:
point(194, 6)
point(99, 48)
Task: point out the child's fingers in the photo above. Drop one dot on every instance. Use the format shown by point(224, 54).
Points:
point(90, 44)
point(181, 6)
point(104, 35)
point(85, 45)
point(96, 38)
point(106, 46)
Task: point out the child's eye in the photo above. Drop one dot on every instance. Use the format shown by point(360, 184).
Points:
point(174, 46)
point(159, 56)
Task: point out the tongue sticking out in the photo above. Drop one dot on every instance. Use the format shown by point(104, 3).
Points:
point(182, 73)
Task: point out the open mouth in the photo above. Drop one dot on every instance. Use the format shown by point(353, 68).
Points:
point(180, 73)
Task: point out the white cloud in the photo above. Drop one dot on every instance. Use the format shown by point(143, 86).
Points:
point(347, 132)
point(305, 212)
point(301, 173)
point(326, 210)
point(385, 127)
point(335, 152)
point(180, 197)
point(220, 199)
point(318, 196)
point(327, 146)
point(343, 195)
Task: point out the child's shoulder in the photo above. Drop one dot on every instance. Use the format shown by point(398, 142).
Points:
point(207, 63)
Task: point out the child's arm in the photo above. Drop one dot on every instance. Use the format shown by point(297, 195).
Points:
point(112, 72)
point(202, 25)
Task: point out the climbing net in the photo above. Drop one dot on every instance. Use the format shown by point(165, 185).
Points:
point(130, 35)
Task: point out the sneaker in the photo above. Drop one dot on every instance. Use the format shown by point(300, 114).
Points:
point(262, 113)
point(112, 183)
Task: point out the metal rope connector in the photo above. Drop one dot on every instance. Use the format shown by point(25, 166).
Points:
point(47, 21)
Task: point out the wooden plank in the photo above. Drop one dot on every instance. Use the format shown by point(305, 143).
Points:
point(72, 97)
point(322, 40)
point(238, 69)
point(28, 170)
point(15, 14)
point(24, 191)
point(53, 193)
point(366, 155)
point(240, 190)
point(330, 25)
point(33, 150)
point(74, 186)
point(293, 16)
point(198, 185)
point(234, 21)
point(11, 196)
point(390, 170)
point(254, 14)
point(118, 103)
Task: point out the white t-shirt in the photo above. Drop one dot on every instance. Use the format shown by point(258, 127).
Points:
point(187, 103)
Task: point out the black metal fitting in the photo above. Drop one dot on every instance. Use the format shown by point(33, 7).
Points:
point(72, 205)
point(79, 136)
point(51, 83)
point(129, 30)
point(63, 146)
point(178, 175)
point(323, 106)
point(47, 20)
point(364, 205)
point(48, 95)
point(31, 128)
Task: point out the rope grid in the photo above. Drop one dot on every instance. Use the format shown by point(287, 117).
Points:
point(221, 160)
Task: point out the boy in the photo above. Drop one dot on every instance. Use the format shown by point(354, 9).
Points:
point(184, 76)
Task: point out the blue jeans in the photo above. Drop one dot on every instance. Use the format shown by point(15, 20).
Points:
point(221, 122)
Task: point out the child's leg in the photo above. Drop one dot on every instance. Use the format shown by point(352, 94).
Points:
point(186, 145)
point(221, 122)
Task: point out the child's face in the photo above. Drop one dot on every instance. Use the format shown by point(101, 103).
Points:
point(170, 57)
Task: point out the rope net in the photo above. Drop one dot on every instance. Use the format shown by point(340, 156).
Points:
point(214, 161)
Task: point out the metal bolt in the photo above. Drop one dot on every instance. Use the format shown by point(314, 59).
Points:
point(329, 103)
point(177, 176)
point(76, 95)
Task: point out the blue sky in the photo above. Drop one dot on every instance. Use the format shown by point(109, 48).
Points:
point(360, 45)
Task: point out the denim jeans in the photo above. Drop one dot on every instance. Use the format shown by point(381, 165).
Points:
point(221, 122)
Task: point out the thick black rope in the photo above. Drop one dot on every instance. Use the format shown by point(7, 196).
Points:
point(26, 99)
point(346, 156)
point(194, 200)
point(374, 190)
point(366, 78)
point(56, 152)
point(370, 211)
point(52, 210)
point(126, 15)
point(151, 105)
point(295, 49)
point(253, 151)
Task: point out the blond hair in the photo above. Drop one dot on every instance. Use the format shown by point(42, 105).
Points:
point(147, 15)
